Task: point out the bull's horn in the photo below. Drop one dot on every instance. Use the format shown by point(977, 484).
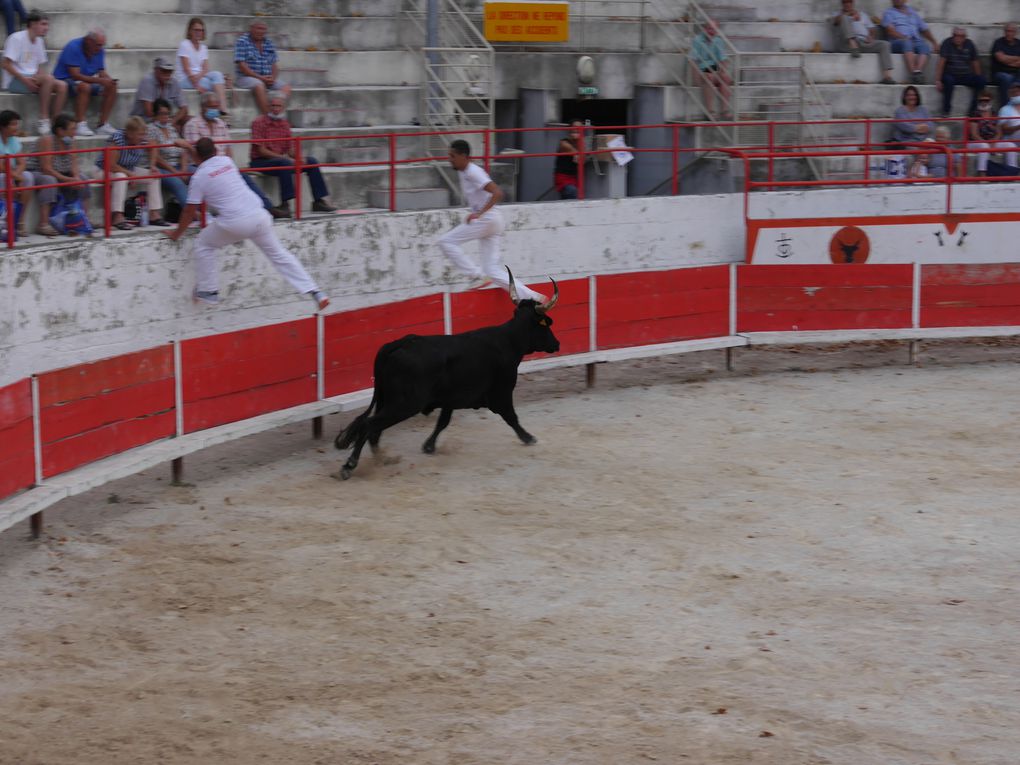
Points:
point(547, 306)
point(513, 287)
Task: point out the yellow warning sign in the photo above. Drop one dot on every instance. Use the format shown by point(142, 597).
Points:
point(527, 22)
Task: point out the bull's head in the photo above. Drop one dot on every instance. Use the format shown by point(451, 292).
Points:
point(540, 336)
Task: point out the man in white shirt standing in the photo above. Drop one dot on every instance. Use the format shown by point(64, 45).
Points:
point(484, 223)
point(24, 72)
point(239, 216)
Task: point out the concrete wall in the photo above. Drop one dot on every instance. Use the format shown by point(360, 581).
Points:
point(82, 301)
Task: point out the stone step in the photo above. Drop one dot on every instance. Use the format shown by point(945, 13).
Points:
point(945, 11)
point(411, 199)
point(244, 8)
point(770, 75)
point(755, 43)
point(313, 107)
point(721, 13)
point(155, 30)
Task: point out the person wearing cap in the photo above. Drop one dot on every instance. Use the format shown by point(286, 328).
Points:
point(985, 132)
point(160, 83)
point(1009, 115)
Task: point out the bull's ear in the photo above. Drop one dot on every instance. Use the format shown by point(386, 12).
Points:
point(513, 286)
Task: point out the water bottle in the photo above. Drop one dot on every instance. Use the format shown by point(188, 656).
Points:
point(143, 207)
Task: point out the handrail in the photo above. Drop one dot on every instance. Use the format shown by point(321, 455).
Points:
point(487, 137)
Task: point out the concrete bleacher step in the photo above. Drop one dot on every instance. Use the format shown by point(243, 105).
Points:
point(411, 199)
point(245, 8)
point(721, 13)
point(159, 30)
point(755, 43)
point(770, 75)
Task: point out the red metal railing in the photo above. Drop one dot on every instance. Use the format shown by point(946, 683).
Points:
point(767, 152)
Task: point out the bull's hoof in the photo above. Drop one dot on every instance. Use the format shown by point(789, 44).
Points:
point(345, 472)
point(429, 447)
point(529, 440)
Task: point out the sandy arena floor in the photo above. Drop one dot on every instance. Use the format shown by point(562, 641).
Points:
point(810, 560)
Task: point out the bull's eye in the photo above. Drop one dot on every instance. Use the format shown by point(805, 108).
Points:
point(544, 322)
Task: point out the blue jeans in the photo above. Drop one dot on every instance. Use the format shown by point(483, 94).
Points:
point(973, 81)
point(1002, 81)
point(176, 187)
point(11, 9)
point(918, 46)
point(286, 176)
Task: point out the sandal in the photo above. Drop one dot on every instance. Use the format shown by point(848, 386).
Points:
point(122, 225)
point(45, 229)
point(160, 222)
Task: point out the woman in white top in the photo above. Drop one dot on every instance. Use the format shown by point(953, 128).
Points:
point(193, 63)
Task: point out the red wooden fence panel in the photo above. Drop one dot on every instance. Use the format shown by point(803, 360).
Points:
point(784, 298)
point(982, 294)
point(237, 375)
point(662, 306)
point(571, 318)
point(17, 442)
point(353, 337)
point(90, 411)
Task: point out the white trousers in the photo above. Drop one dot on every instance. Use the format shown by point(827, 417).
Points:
point(118, 191)
point(259, 228)
point(982, 159)
point(488, 230)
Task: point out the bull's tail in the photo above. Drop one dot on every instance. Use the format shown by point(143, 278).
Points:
point(346, 437)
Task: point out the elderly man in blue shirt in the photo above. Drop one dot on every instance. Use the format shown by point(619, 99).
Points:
point(905, 29)
point(258, 65)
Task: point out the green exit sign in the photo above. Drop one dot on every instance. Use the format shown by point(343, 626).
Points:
point(588, 90)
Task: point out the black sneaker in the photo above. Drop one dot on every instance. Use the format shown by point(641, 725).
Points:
point(283, 211)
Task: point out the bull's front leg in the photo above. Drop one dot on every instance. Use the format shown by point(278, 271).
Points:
point(429, 447)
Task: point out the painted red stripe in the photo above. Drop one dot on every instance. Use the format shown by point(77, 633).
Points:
point(94, 378)
point(862, 298)
point(970, 274)
point(255, 343)
point(810, 320)
point(975, 295)
point(63, 420)
point(17, 457)
point(234, 407)
point(234, 375)
point(623, 334)
point(965, 316)
point(81, 449)
point(15, 402)
point(831, 275)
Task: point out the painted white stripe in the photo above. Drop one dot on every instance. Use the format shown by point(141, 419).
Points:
point(36, 433)
point(178, 388)
point(733, 298)
point(915, 298)
point(320, 351)
point(447, 314)
point(593, 315)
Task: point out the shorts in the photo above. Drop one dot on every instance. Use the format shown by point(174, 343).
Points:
point(17, 86)
point(247, 83)
point(72, 87)
point(712, 68)
point(206, 83)
point(920, 47)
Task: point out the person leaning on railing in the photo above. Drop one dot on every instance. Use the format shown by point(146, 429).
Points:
point(61, 167)
point(10, 144)
point(985, 132)
point(169, 159)
point(129, 162)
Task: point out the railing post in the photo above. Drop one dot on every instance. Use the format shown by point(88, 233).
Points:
point(580, 162)
point(107, 226)
point(487, 143)
point(867, 144)
point(9, 197)
point(676, 160)
point(949, 179)
point(772, 148)
point(297, 178)
point(393, 172)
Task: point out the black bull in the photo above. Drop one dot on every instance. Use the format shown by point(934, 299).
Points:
point(469, 370)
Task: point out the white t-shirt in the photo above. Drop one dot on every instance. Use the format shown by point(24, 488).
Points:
point(473, 181)
point(195, 58)
point(218, 182)
point(27, 56)
point(1010, 111)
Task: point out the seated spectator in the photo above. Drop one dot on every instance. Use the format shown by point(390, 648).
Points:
point(709, 55)
point(938, 161)
point(1006, 62)
point(10, 124)
point(82, 66)
point(193, 64)
point(905, 28)
point(913, 122)
point(1009, 115)
point(62, 167)
point(209, 125)
point(13, 10)
point(565, 172)
point(258, 65)
point(856, 36)
point(25, 68)
point(275, 150)
point(160, 84)
point(958, 65)
point(919, 164)
point(985, 132)
point(169, 159)
point(129, 162)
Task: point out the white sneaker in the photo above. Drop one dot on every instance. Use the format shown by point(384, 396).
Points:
point(106, 129)
point(43, 126)
point(321, 301)
point(83, 130)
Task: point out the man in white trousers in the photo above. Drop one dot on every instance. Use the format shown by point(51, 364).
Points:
point(239, 216)
point(484, 223)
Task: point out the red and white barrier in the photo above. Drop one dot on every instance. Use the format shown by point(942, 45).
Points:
point(69, 430)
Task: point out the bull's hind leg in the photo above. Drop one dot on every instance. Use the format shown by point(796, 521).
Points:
point(373, 430)
point(378, 454)
point(506, 411)
point(429, 447)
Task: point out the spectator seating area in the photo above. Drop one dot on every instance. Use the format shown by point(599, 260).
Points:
point(355, 69)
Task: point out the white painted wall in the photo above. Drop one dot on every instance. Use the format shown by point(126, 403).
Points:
point(81, 301)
